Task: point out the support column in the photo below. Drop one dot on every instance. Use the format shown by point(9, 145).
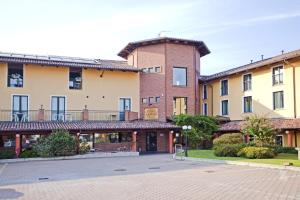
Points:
point(85, 114)
point(247, 138)
point(134, 145)
point(41, 114)
point(18, 145)
point(77, 143)
point(289, 136)
point(171, 142)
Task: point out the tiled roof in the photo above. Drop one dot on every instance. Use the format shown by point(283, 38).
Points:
point(84, 125)
point(254, 65)
point(201, 46)
point(67, 61)
point(277, 123)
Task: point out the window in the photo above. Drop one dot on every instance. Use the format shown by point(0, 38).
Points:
point(58, 108)
point(15, 75)
point(102, 138)
point(145, 70)
point(157, 99)
point(205, 111)
point(247, 104)
point(224, 87)
point(247, 80)
point(20, 108)
point(224, 107)
point(204, 92)
point(124, 105)
point(151, 100)
point(179, 105)
point(278, 100)
point(279, 140)
point(75, 78)
point(144, 100)
point(277, 75)
point(179, 76)
point(157, 69)
point(151, 70)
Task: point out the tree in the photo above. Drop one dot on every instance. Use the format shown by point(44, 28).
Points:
point(203, 127)
point(261, 129)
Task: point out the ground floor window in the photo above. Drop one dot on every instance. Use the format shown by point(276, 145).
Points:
point(112, 137)
point(29, 140)
point(279, 140)
point(7, 141)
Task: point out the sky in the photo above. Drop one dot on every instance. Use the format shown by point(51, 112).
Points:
point(235, 31)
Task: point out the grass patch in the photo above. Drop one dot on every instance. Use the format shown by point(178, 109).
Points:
point(278, 160)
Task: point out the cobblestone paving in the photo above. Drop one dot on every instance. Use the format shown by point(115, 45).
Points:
point(146, 177)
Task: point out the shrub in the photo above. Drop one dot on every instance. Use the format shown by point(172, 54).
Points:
point(229, 138)
point(280, 149)
point(228, 150)
point(84, 148)
point(7, 154)
point(58, 143)
point(256, 152)
point(29, 153)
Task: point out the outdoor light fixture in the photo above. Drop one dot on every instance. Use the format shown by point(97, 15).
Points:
point(186, 128)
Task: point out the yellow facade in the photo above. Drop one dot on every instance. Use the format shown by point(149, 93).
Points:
point(101, 90)
point(261, 92)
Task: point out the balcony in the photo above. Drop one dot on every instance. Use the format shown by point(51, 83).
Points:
point(61, 116)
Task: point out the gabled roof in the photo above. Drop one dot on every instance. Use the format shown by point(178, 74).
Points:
point(67, 61)
point(254, 65)
point(201, 47)
point(85, 125)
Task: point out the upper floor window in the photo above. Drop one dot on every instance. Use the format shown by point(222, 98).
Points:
point(157, 69)
point(224, 107)
point(20, 108)
point(179, 76)
point(204, 91)
point(247, 82)
point(277, 75)
point(247, 104)
point(278, 100)
point(179, 105)
point(157, 99)
point(15, 75)
point(75, 78)
point(144, 100)
point(151, 70)
point(205, 111)
point(224, 87)
point(151, 100)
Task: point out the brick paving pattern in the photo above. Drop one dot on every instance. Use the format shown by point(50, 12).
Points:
point(146, 177)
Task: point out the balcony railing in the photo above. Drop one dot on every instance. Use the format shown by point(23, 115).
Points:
point(61, 116)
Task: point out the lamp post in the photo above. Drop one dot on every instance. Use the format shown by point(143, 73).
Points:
point(186, 129)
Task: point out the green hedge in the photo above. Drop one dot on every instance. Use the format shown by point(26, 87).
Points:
point(256, 152)
point(228, 150)
point(229, 138)
point(7, 154)
point(280, 149)
point(29, 154)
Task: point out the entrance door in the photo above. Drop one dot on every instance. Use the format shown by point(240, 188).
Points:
point(151, 142)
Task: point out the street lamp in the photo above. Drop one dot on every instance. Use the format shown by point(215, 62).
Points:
point(186, 129)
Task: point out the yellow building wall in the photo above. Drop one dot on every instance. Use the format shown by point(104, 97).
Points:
point(262, 93)
point(98, 93)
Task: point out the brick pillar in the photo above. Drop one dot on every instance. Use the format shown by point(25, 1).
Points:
point(171, 142)
point(18, 145)
point(77, 143)
point(247, 138)
point(85, 114)
point(134, 143)
point(41, 114)
point(289, 136)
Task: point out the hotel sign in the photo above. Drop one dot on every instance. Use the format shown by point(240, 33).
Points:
point(151, 113)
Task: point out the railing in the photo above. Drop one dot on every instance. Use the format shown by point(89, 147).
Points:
point(62, 116)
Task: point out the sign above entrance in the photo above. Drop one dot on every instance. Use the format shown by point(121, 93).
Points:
point(151, 113)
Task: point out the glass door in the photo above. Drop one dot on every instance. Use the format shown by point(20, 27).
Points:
point(20, 108)
point(124, 105)
point(58, 108)
point(151, 141)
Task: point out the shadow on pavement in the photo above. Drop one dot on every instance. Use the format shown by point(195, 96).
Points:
point(8, 193)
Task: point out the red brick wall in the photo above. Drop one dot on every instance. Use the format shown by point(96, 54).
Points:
point(161, 84)
point(162, 141)
point(112, 146)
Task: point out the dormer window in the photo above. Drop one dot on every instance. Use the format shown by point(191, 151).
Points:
point(15, 75)
point(75, 78)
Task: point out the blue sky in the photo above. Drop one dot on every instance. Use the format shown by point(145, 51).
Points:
point(235, 31)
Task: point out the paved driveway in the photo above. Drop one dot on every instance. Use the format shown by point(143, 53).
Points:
point(144, 177)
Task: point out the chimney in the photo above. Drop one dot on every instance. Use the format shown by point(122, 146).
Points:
point(262, 57)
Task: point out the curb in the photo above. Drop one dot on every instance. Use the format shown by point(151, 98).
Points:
point(76, 157)
point(250, 164)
